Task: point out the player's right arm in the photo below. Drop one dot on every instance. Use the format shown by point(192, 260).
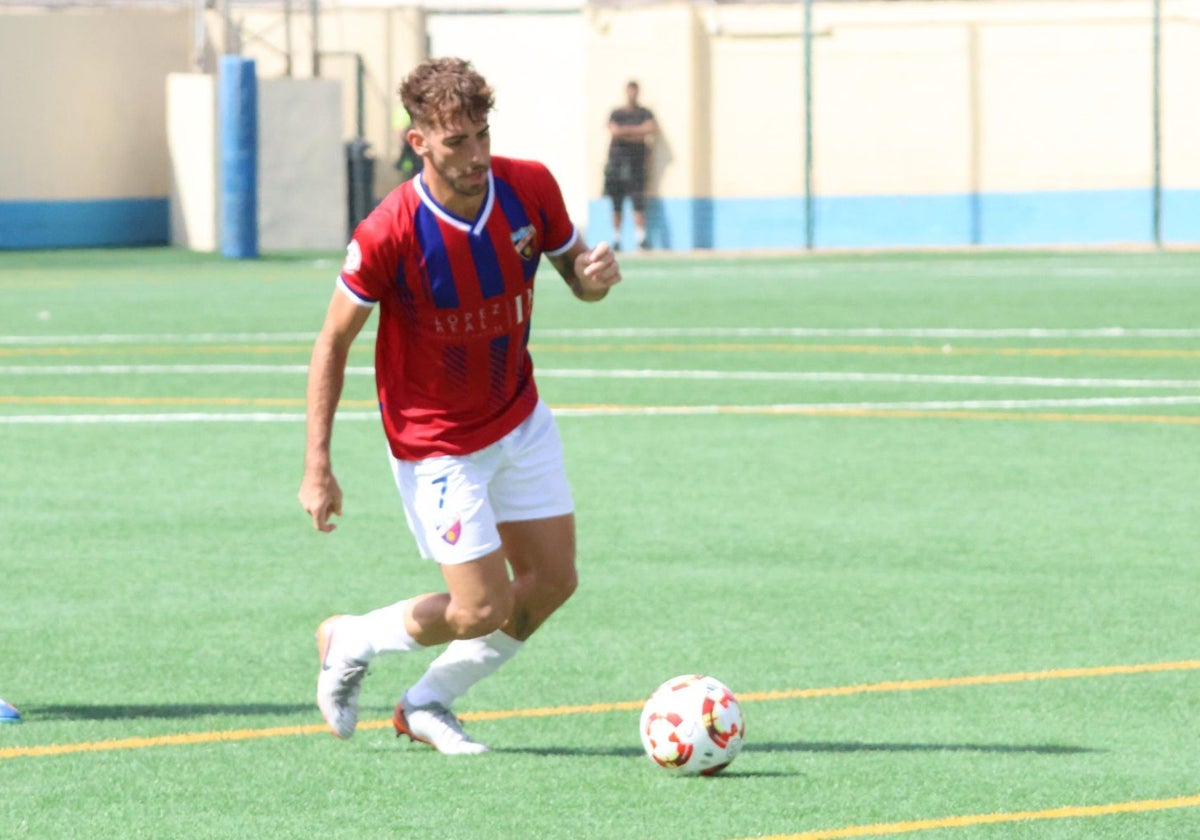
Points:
point(320, 494)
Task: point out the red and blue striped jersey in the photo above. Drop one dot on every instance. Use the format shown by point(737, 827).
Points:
point(452, 365)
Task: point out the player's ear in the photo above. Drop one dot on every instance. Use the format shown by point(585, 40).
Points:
point(416, 140)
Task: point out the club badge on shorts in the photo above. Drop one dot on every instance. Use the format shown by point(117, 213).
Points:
point(451, 531)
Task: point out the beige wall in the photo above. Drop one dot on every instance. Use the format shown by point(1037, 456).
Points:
point(947, 97)
point(83, 101)
point(1066, 107)
point(891, 110)
point(1180, 101)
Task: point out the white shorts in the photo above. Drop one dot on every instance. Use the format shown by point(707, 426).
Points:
point(453, 502)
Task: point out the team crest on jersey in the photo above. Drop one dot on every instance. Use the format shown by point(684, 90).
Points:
point(451, 532)
point(523, 239)
point(353, 258)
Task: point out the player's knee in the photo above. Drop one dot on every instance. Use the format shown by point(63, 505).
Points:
point(564, 586)
point(469, 621)
point(553, 590)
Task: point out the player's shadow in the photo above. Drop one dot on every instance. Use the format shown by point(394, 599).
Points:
point(174, 711)
point(618, 752)
point(824, 747)
point(869, 746)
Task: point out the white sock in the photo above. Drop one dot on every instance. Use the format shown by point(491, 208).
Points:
point(363, 637)
point(464, 663)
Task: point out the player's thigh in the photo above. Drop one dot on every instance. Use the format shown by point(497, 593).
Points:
point(542, 549)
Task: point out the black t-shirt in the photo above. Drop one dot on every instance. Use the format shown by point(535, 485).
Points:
point(632, 151)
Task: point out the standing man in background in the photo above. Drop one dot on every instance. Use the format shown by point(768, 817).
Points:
point(632, 128)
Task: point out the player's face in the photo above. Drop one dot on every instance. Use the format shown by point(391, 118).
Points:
point(459, 155)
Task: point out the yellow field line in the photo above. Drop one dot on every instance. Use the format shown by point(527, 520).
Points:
point(783, 410)
point(905, 413)
point(599, 708)
point(963, 821)
point(182, 739)
point(984, 679)
point(1045, 416)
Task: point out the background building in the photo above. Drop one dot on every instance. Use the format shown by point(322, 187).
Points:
point(986, 122)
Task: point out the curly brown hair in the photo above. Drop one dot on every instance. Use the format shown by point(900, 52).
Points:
point(440, 89)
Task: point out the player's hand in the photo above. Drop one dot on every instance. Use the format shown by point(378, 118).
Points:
point(321, 496)
point(597, 271)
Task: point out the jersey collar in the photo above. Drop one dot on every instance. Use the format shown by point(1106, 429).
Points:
point(474, 227)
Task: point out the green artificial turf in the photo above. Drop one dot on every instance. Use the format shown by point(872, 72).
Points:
point(830, 492)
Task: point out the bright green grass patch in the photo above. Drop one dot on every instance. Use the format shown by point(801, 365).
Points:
point(160, 578)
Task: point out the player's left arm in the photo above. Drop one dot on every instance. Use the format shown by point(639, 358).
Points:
point(590, 272)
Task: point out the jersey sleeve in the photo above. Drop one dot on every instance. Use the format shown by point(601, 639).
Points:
point(560, 230)
point(365, 272)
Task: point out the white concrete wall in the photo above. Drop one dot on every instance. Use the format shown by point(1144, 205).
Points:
point(193, 153)
point(301, 165)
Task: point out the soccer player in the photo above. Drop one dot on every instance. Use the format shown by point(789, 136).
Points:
point(449, 258)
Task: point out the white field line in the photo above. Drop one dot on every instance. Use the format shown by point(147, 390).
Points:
point(180, 417)
point(150, 370)
point(153, 338)
point(1052, 266)
point(853, 376)
point(635, 332)
point(624, 411)
point(871, 332)
point(625, 373)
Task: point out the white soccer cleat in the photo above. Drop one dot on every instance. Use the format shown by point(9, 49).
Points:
point(338, 682)
point(436, 726)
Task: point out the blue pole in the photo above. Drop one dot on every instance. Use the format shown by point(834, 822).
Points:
point(237, 105)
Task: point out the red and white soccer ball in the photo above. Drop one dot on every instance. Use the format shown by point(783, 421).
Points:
point(692, 725)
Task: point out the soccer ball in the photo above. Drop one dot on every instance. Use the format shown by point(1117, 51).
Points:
point(692, 725)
